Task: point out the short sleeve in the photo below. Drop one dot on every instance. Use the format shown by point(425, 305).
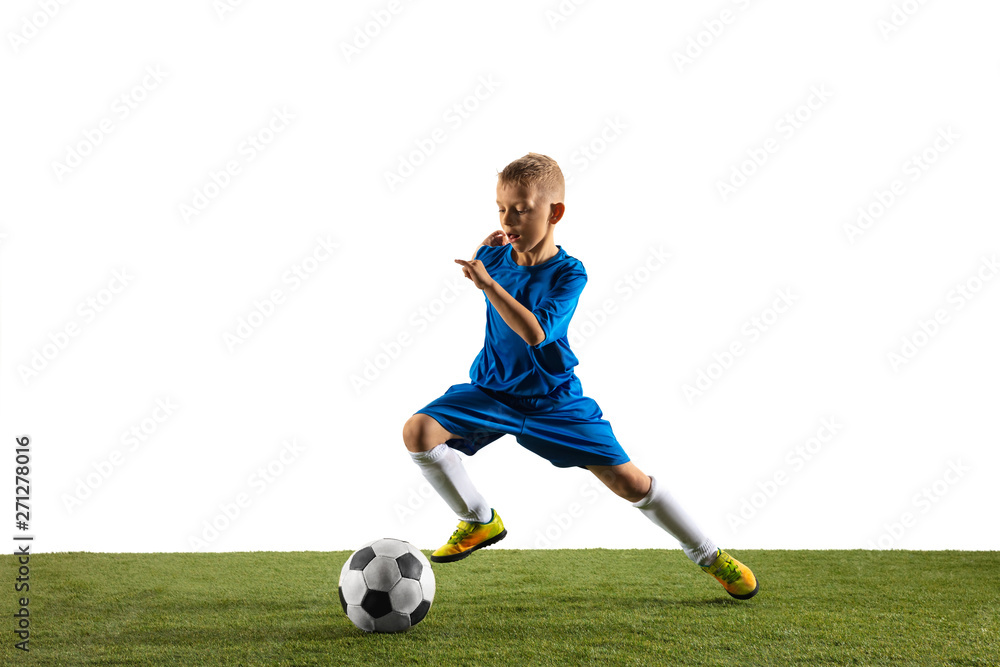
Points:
point(557, 308)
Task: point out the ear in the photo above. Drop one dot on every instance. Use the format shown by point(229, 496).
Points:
point(557, 212)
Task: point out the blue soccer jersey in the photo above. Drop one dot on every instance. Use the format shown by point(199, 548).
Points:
point(550, 290)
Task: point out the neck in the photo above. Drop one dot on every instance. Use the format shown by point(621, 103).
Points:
point(537, 255)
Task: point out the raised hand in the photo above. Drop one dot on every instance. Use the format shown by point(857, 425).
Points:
point(496, 238)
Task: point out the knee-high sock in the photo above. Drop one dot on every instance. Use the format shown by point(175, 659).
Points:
point(660, 507)
point(443, 468)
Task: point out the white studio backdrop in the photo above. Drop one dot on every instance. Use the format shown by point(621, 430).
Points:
point(227, 236)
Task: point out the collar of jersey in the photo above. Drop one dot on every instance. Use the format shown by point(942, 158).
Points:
point(509, 261)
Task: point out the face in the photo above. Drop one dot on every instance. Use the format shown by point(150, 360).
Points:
point(525, 216)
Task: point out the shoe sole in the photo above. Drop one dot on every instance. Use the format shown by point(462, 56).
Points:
point(747, 596)
point(459, 556)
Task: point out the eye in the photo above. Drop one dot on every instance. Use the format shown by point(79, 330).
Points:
point(521, 212)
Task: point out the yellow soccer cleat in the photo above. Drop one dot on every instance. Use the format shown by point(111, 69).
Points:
point(734, 576)
point(470, 536)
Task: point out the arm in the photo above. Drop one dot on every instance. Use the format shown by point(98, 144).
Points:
point(520, 319)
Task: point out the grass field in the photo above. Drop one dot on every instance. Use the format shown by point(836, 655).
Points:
point(514, 607)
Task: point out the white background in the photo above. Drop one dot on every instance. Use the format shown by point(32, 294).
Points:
point(646, 139)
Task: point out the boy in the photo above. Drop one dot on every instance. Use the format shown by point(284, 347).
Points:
point(523, 382)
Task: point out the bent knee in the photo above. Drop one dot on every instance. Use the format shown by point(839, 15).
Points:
point(412, 431)
point(418, 432)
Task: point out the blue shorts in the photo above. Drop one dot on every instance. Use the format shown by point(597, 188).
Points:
point(565, 427)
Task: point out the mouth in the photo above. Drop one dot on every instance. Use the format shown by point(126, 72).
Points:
point(513, 237)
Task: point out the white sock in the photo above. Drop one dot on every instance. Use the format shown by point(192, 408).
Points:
point(443, 468)
point(660, 507)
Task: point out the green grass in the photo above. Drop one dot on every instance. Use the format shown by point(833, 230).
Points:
point(514, 607)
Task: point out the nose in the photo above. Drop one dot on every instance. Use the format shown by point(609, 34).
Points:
point(507, 217)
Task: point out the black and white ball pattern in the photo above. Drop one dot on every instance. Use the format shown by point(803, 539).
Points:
point(386, 586)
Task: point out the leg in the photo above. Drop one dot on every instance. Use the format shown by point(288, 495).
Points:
point(642, 491)
point(557, 434)
point(440, 465)
point(630, 483)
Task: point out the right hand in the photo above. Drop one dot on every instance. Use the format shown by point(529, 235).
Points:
point(496, 238)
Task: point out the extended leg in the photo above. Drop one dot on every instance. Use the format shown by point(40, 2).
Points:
point(644, 493)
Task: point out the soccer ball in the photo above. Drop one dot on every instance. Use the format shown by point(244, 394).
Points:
point(386, 586)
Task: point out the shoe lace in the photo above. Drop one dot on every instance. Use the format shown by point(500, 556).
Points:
point(460, 534)
point(729, 572)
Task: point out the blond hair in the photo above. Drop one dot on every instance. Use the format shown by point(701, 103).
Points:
point(537, 171)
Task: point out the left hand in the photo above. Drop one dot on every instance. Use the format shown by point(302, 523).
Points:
point(497, 238)
point(476, 272)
